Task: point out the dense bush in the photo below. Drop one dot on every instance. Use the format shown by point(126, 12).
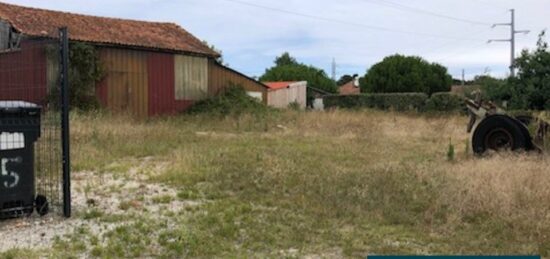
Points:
point(402, 74)
point(345, 101)
point(438, 102)
point(85, 71)
point(398, 101)
point(447, 102)
point(392, 101)
point(494, 89)
point(233, 101)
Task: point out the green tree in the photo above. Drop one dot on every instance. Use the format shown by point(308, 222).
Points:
point(402, 74)
point(531, 87)
point(287, 68)
point(285, 59)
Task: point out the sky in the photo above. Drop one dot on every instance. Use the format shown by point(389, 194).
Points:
point(355, 33)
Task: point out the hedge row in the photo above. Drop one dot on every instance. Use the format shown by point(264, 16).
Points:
point(447, 102)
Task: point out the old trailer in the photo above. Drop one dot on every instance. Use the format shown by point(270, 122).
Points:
point(494, 129)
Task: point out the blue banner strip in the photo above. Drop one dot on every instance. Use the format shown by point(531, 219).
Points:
point(452, 257)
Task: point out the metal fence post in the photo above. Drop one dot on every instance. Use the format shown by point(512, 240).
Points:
point(65, 134)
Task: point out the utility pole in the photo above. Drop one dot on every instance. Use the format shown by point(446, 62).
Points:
point(463, 78)
point(333, 69)
point(512, 39)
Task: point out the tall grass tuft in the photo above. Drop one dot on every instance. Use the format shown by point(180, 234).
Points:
point(451, 152)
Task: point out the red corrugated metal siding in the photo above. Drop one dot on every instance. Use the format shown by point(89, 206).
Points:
point(162, 99)
point(102, 92)
point(23, 73)
point(126, 81)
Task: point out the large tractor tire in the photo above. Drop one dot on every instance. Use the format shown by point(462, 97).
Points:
point(500, 132)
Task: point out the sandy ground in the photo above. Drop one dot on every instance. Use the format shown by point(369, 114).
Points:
point(91, 191)
point(34, 232)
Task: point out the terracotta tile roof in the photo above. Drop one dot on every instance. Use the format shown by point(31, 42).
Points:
point(101, 30)
point(277, 85)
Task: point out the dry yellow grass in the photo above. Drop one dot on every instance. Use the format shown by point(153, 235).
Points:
point(338, 183)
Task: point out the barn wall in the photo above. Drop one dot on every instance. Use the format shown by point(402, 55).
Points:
point(23, 73)
point(125, 86)
point(220, 77)
point(148, 83)
point(162, 97)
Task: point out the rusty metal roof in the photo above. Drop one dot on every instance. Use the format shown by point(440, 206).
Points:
point(102, 30)
point(278, 85)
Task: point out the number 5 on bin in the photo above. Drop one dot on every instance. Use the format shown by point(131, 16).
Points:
point(6, 172)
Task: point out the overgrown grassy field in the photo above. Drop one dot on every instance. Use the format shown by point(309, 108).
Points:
point(303, 184)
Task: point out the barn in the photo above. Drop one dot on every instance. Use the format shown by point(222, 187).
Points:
point(150, 68)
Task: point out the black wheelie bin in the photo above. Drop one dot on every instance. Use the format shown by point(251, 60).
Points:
point(19, 130)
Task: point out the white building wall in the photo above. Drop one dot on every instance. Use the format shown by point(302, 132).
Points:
point(281, 98)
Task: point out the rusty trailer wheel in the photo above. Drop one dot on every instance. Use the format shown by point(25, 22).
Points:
point(499, 139)
point(499, 132)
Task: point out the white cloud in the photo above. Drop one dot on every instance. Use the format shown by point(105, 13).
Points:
point(251, 37)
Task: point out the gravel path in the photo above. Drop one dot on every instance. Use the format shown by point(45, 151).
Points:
point(102, 192)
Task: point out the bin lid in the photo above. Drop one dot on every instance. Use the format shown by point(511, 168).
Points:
point(13, 107)
point(16, 105)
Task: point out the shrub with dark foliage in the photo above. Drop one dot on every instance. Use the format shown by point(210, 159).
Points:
point(391, 101)
point(233, 101)
point(405, 74)
point(445, 102)
point(85, 71)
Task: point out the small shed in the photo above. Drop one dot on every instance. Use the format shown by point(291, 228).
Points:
point(282, 94)
point(315, 98)
point(151, 68)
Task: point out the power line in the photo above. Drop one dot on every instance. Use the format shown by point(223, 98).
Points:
point(371, 27)
point(366, 26)
point(492, 4)
point(402, 7)
point(458, 53)
point(443, 46)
